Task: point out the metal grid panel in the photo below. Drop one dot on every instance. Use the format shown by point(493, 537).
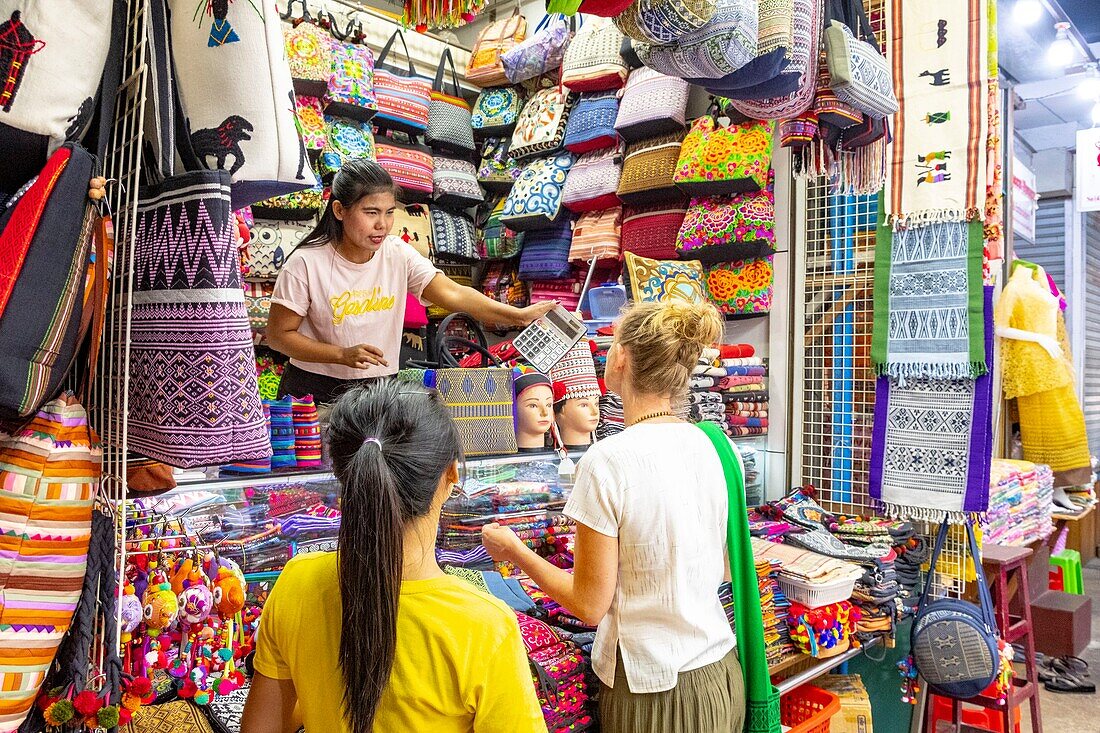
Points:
point(836, 280)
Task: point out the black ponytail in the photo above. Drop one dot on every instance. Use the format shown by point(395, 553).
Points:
point(391, 443)
point(355, 179)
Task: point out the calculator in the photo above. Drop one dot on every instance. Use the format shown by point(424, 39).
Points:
point(549, 338)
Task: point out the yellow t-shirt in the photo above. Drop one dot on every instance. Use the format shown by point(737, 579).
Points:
point(460, 665)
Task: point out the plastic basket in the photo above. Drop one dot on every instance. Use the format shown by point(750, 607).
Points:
point(808, 709)
point(816, 595)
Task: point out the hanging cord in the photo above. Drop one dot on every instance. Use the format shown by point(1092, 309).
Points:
point(98, 601)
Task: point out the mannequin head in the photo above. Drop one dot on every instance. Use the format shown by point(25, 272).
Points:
point(534, 409)
point(577, 419)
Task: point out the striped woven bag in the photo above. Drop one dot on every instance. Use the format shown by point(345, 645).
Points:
point(48, 472)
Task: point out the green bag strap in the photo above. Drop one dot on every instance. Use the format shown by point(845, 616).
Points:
point(748, 618)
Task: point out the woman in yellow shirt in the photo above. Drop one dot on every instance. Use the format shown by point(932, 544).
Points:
point(374, 637)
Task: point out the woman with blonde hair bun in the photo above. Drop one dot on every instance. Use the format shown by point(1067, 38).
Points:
point(651, 506)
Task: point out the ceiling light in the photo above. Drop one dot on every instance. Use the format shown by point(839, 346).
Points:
point(1089, 88)
point(1096, 114)
point(1027, 12)
point(1062, 52)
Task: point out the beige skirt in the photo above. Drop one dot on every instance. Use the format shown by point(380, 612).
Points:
point(710, 699)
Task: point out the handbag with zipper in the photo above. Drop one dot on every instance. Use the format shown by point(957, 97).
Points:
point(859, 73)
point(351, 83)
point(410, 165)
point(309, 44)
point(403, 97)
point(485, 68)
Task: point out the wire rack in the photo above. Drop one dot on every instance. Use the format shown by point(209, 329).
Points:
point(834, 282)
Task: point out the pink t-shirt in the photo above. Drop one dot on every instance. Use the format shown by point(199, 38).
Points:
point(346, 304)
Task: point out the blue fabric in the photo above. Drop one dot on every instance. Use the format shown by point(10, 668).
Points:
point(593, 119)
point(545, 254)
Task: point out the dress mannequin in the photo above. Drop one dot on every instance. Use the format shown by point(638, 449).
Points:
point(577, 395)
point(534, 409)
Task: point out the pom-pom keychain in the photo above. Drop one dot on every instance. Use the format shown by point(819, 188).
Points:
point(131, 611)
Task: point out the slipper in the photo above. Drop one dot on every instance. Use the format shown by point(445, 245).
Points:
point(1072, 684)
point(1069, 674)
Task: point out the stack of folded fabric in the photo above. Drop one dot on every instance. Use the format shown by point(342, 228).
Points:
point(914, 553)
point(282, 433)
point(476, 558)
point(774, 608)
point(555, 614)
point(729, 387)
point(803, 565)
point(307, 432)
point(1021, 501)
point(524, 506)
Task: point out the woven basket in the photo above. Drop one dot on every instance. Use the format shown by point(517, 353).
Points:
point(648, 169)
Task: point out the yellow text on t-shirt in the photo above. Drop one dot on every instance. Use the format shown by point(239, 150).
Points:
point(358, 302)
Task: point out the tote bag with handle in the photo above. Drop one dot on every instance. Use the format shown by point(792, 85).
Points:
point(718, 159)
point(449, 125)
point(592, 62)
point(485, 68)
point(351, 83)
point(541, 127)
point(308, 49)
point(540, 53)
point(653, 104)
point(860, 75)
point(403, 97)
point(238, 100)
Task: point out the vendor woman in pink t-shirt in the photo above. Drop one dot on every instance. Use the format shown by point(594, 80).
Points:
point(339, 303)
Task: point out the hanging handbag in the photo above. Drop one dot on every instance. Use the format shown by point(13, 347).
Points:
point(403, 97)
point(461, 274)
point(498, 171)
point(725, 228)
point(593, 181)
point(591, 124)
point(496, 111)
point(453, 236)
point(485, 68)
point(535, 201)
point(344, 140)
point(597, 236)
point(410, 165)
point(653, 104)
point(651, 231)
point(870, 130)
point(351, 84)
point(502, 284)
point(541, 127)
point(567, 292)
point(257, 301)
point(270, 245)
point(742, 287)
point(648, 169)
point(860, 75)
point(52, 60)
point(602, 8)
point(731, 159)
point(663, 21)
point(803, 66)
point(725, 44)
point(49, 473)
point(412, 224)
point(449, 128)
point(545, 254)
point(308, 48)
point(956, 645)
point(193, 395)
point(455, 183)
point(297, 206)
point(238, 99)
point(762, 704)
point(592, 62)
point(496, 240)
point(540, 53)
point(829, 108)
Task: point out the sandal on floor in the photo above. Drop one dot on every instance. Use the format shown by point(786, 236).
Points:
point(1069, 674)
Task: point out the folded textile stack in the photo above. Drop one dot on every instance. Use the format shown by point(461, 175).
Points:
point(524, 506)
point(555, 614)
point(911, 556)
point(729, 387)
point(307, 432)
point(1021, 501)
point(774, 607)
point(804, 565)
point(476, 558)
point(282, 433)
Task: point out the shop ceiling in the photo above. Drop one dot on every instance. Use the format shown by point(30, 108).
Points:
point(1049, 109)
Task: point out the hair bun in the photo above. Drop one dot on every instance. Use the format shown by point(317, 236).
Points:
point(694, 324)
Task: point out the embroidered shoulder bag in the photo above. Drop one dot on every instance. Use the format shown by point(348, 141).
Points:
point(648, 170)
point(955, 644)
point(725, 44)
point(454, 237)
point(496, 111)
point(803, 68)
point(591, 124)
point(540, 53)
point(535, 202)
point(860, 75)
point(541, 127)
point(663, 21)
point(724, 228)
point(653, 104)
point(593, 181)
point(455, 181)
point(411, 167)
point(742, 287)
point(592, 62)
point(351, 84)
point(731, 159)
point(403, 97)
point(498, 171)
point(308, 50)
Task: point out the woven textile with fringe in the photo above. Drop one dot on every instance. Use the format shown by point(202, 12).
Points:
point(933, 443)
point(937, 167)
point(929, 318)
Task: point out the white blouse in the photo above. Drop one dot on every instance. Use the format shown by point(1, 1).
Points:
point(660, 489)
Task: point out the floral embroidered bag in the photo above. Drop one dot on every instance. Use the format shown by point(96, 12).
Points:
point(308, 45)
point(496, 111)
point(541, 126)
point(535, 201)
point(724, 228)
point(498, 172)
point(351, 84)
point(743, 287)
point(731, 159)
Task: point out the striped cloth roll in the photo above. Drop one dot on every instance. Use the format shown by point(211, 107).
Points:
point(307, 433)
point(48, 473)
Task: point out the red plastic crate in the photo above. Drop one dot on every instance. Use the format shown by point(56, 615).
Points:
point(808, 709)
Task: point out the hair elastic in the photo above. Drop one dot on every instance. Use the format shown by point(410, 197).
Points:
point(376, 441)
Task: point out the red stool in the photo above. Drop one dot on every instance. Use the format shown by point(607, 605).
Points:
point(1007, 569)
